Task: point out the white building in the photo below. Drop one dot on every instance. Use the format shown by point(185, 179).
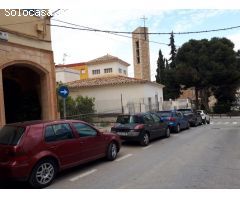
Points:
point(117, 94)
point(65, 75)
point(107, 65)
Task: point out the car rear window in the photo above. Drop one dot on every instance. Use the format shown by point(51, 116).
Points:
point(10, 135)
point(165, 114)
point(185, 111)
point(129, 119)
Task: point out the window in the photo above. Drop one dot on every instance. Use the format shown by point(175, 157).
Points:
point(137, 52)
point(11, 135)
point(58, 132)
point(96, 71)
point(179, 115)
point(83, 71)
point(108, 70)
point(155, 118)
point(125, 72)
point(150, 103)
point(119, 70)
point(129, 119)
point(84, 130)
point(147, 119)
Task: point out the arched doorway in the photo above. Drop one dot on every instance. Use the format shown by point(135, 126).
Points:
point(22, 89)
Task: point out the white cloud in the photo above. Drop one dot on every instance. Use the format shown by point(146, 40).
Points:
point(192, 18)
point(235, 38)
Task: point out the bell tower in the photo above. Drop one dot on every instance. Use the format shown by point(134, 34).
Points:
point(141, 58)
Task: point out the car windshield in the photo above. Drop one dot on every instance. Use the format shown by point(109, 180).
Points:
point(165, 114)
point(128, 119)
point(10, 135)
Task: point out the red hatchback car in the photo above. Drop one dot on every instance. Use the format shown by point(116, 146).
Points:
point(35, 151)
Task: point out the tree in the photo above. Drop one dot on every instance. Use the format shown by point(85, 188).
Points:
point(160, 68)
point(211, 68)
point(173, 52)
point(166, 76)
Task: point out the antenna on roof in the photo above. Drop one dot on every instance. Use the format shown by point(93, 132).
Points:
point(64, 58)
point(144, 26)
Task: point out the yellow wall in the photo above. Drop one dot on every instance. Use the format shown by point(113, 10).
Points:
point(27, 30)
point(80, 68)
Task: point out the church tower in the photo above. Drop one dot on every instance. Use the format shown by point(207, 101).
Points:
point(141, 58)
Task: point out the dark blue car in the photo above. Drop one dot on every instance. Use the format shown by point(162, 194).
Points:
point(175, 119)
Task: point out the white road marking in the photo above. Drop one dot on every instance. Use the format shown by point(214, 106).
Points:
point(82, 175)
point(147, 147)
point(226, 123)
point(211, 123)
point(124, 157)
point(234, 123)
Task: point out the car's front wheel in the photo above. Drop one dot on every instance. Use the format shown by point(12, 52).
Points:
point(43, 173)
point(112, 151)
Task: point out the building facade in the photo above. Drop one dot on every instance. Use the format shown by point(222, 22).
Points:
point(81, 67)
point(100, 67)
point(65, 75)
point(27, 70)
point(106, 66)
point(120, 94)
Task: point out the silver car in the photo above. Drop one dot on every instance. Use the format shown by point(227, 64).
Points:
point(205, 116)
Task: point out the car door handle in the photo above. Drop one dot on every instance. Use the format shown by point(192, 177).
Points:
point(53, 147)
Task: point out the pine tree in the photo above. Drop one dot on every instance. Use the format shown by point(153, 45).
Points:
point(173, 52)
point(160, 68)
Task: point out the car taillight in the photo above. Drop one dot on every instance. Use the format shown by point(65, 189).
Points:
point(139, 126)
point(172, 119)
point(15, 152)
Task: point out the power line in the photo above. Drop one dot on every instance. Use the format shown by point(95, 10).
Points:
point(150, 33)
point(85, 28)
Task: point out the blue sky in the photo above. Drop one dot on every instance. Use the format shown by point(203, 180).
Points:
point(81, 46)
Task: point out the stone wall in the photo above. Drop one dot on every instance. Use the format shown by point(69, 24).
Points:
point(38, 60)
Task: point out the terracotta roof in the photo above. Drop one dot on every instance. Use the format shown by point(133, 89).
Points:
point(70, 65)
point(107, 59)
point(110, 80)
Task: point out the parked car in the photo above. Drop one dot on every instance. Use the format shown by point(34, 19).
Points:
point(36, 151)
point(141, 127)
point(176, 120)
point(194, 118)
point(205, 116)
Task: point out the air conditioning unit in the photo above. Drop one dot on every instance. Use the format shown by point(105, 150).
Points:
point(3, 36)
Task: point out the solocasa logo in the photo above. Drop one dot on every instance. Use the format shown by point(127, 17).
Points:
point(27, 12)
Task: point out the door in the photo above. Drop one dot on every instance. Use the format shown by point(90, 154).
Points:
point(150, 126)
point(93, 144)
point(60, 140)
point(159, 126)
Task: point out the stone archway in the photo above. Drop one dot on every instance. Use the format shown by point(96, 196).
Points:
point(25, 90)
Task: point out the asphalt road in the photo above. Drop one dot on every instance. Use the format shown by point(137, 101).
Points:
point(207, 156)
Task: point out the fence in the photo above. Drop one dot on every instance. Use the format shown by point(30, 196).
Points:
point(177, 104)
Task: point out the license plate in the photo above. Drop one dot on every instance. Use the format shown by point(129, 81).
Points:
point(122, 133)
